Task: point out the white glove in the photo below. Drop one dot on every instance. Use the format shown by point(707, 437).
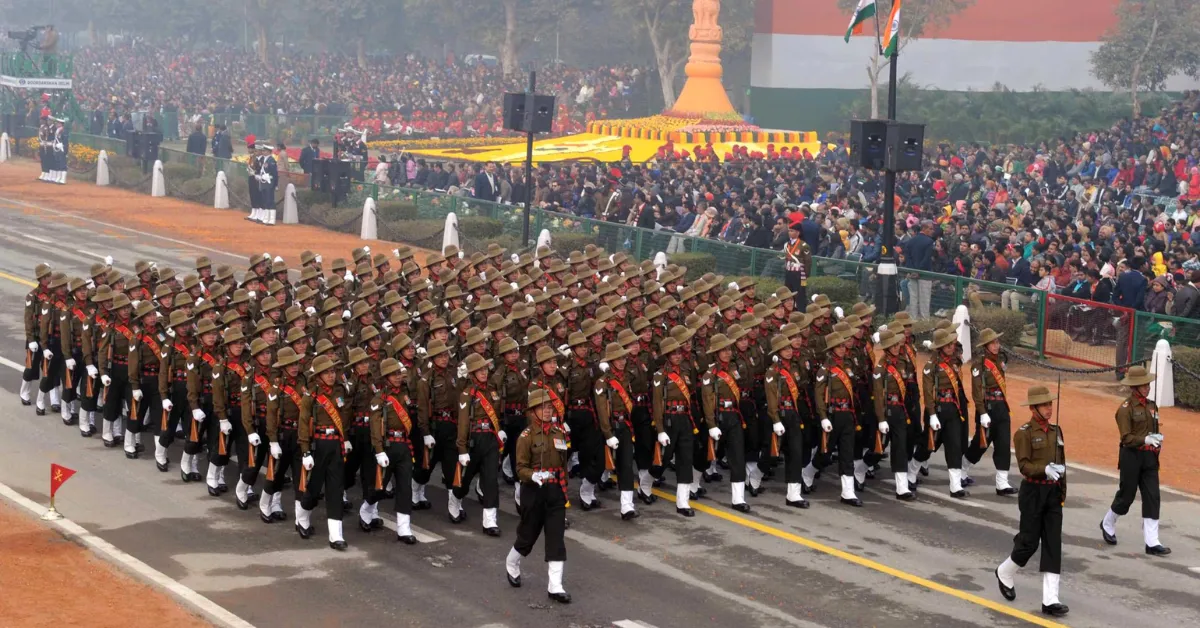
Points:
point(429, 441)
point(347, 447)
point(564, 350)
point(566, 426)
point(1154, 440)
point(840, 313)
point(464, 459)
point(70, 364)
point(252, 294)
point(276, 450)
point(503, 437)
point(1053, 472)
point(778, 427)
point(934, 423)
point(107, 381)
point(46, 353)
point(310, 310)
point(612, 442)
point(318, 258)
point(226, 427)
point(307, 461)
point(382, 459)
point(538, 477)
point(137, 394)
point(387, 326)
point(33, 347)
point(462, 370)
point(883, 428)
point(714, 433)
point(421, 351)
point(92, 371)
point(826, 425)
point(166, 403)
point(254, 439)
point(663, 439)
point(345, 315)
point(349, 276)
point(985, 420)
point(198, 415)
point(604, 367)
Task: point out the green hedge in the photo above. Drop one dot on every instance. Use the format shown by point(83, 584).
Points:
point(1007, 322)
point(478, 227)
point(177, 173)
point(1187, 388)
point(840, 291)
point(396, 210)
point(564, 243)
point(697, 264)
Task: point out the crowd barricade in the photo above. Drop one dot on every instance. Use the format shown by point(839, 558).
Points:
point(1080, 330)
point(1148, 328)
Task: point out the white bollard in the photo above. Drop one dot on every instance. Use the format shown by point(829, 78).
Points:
point(544, 239)
point(962, 323)
point(369, 229)
point(291, 213)
point(4, 149)
point(221, 192)
point(1162, 389)
point(102, 177)
point(660, 264)
point(158, 185)
point(450, 233)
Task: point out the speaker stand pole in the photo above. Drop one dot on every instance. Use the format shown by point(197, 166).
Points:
point(888, 270)
point(529, 108)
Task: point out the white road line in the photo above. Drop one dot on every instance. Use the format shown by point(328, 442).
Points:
point(35, 238)
point(207, 608)
point(1194, 569)
point(631, 623)
point(96, 255)
point(12, 365)
point(423, 535)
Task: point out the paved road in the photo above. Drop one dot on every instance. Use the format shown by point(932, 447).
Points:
point(888, 564)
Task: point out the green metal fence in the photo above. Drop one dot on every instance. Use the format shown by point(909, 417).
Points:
point(269, 127)
point(1149, 328)
point(36, 64)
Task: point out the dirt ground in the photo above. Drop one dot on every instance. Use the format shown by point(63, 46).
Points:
point(1087, 414)
point(51, 581)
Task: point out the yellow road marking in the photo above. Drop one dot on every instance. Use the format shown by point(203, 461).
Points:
point(23, 282)
point(868, 563)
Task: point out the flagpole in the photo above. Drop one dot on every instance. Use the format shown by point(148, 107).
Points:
point(52, 514)
point(888, 269)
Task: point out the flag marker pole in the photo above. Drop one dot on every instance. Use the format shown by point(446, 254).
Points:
point(52, 514)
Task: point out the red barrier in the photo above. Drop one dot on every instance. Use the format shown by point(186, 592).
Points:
point(1097, 334)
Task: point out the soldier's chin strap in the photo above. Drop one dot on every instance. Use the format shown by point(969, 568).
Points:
point(1037, 415)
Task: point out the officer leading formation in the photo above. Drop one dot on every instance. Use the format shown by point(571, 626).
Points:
point(533, 370)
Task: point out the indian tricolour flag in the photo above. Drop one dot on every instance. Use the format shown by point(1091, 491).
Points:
point(862, 13)
point(891, 39)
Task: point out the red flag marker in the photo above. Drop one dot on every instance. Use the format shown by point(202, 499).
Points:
point(58, 475)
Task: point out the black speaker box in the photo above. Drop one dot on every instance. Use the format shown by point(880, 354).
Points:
point(867, 143)
point(905, 146)
point(539, 120)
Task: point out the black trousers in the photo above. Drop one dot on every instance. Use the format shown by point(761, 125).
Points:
point(752, 437)
point(251, 459)
point(177, 392)
point(623, 456)
point(953, 433)
point(644, 437)
point(218, 441)
point(360, 461)
point(196, 433)
point(792, 279)
point(588, 440)
point(325, 478)
point(678, 428)
point(150, 407)
point(277, 468)
point(34, 372)
point(445, 452)
point(485, 462)
point(841, 439)
point(119, 392)
point(999, 436)
point(89, 392)
point(897, 420)
point(737, 448)
point(543, 508)
point(1041, 523)
point(1139, 472)
point(52, 376)
point(513, 423)
point(792, 446)
point(400, 469)
point(76, 375)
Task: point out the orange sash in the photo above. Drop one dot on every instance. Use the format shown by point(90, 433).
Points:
point(401, 413)
point(490, 412)
point(997, 374)
point(616, 385)
point(953, 377)
point(555, 400)
point(837, 372)
point(898, 379)
point(729, 381)
point(182, 348)
point(791, 384)
point(289, 391)
point(332, 411)
point(679, 383)
point(149, 340)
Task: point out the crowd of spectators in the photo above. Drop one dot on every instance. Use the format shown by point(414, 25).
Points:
point(393, 94)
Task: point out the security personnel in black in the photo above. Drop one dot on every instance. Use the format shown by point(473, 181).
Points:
point(145, 353)
point(251, 447)
point(890, 387)
point(614, 408)
point(229, 377)
point(990, 395)
point(480, 439)
point(391, 441)
point(284, 401)
point(512, 383)
point(73, 326)
point(321, 437)
point(172, 389)
point(785, 402)
point(720, 392)
point(541, 469)
point(52, 350)
point(361, 390)
point(1141, 445)
point(437, 416)
point(1042, 461)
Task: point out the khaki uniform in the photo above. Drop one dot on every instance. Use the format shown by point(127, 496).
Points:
point(478, 434)
point(391, 432)
point(437, 396)
point(321, 433)
point(1041, 499)
point(1138, 462)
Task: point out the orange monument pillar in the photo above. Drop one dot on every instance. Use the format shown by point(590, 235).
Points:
point(703, 91)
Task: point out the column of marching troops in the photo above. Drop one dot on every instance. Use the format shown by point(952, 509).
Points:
point(534, 369)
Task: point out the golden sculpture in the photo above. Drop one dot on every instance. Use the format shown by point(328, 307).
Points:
point(703, 92)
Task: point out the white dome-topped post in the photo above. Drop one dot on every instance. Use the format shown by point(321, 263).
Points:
point(962, 326)
point(370, 230)
point(102, 177)
point(660, 264)
point(4, 148)
point(450, 233)
point(158, 186)
point(291, 213)
point(1162, 389)
point(221, 192)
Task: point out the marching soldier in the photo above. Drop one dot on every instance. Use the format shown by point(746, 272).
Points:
point(614, 408)
point(639, 371)
point(834, 393)
point(203, 366)
point(228, 381)
point(52, 350)
point(73, 325)
point(541, 469)
point(989, 394)
point(255, 393)
point(37, 300)
point(392, 441)
point(512, 383)
point(145, 353)
point(173, 389)
point(99, 320)
point(284, 402)
point(322, 443)
point(114, 364)
point(1141, 445)
point(890, 384)
point(437, 394)
point(785, 403)
point(940, 388)
point(1042, 461)
point(720, 392)
point(672, 409)
point(581, 416)
point(361, 391)
point(480, 439)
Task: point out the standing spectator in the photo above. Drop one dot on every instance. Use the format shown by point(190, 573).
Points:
point(1131, 286)
point(311, 153)
point(919, 253)
point(196, 141)
point(487, 188)
point(1187, 298)
point(1020, 273)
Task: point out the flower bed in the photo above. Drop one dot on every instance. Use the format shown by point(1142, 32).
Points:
point(388, 146)
point(78, 155)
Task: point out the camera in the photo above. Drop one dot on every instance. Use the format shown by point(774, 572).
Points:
point(26, 36)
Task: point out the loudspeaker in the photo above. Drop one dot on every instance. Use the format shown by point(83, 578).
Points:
point(867, 143)
point(539, 120)
point(905, 146)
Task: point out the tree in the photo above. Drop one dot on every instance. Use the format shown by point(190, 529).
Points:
point(665, 24)
point(916, 18)
point(1153, 41)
